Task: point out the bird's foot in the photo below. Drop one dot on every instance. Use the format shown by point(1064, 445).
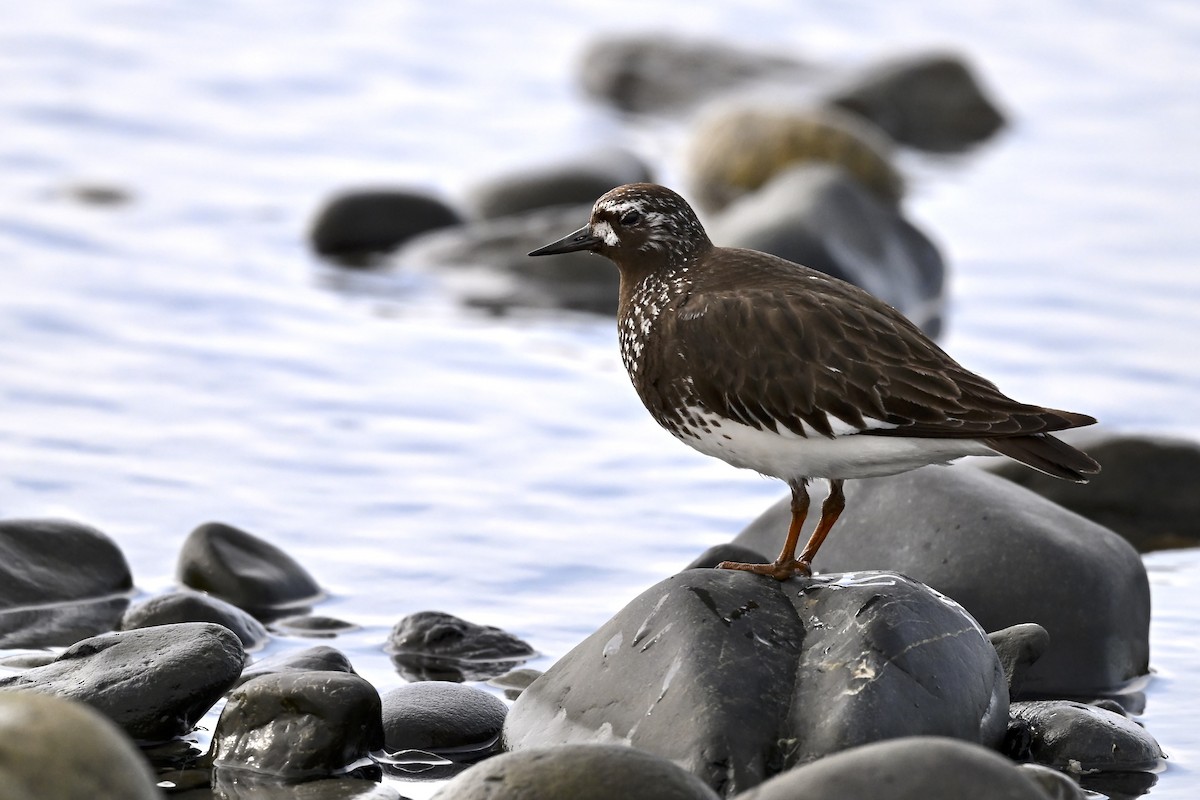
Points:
point(779, 570)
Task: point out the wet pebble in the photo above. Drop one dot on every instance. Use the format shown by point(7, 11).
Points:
point(311, 659)
point(1019, 647)
point(433, 645)
point(579, 772)
point(155, 683)
point(440, 716)
point(312, 626)
point(358, 225)
point(246, 571)
point(1085, 738)
point(196, 607)
point(515, 682)
point(55, 748)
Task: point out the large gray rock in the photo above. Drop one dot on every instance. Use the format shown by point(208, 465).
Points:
point(166, 609)
point(358, 225)
point(930, 101)
point(60, 582)
point(819, 216)
point(575, 182)
point(578, 772)
point(245, 570)
point(737, 677)
point(1148, 491)
point(155, 683)
point(487, 263)
point(915, 768)
point(1007, 555)
point(434, 645)
point(435, 716)
point(56, 749)
point(298, 724)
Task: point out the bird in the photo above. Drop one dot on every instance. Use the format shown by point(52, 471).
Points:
point(775, 367)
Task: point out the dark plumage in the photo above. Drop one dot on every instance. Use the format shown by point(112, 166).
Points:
point(782, 369)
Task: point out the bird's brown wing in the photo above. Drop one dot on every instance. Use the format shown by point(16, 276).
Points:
point(807, 359)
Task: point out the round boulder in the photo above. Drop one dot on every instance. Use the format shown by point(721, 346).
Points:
point(433, 645)
point(195, 607)
point(357, 225)
point(310, 659)
point(1085, 738)
point(434, 716)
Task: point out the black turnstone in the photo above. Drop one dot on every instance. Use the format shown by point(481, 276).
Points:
point(778, 368)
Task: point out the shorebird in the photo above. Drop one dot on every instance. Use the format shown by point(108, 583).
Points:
point(775, 367)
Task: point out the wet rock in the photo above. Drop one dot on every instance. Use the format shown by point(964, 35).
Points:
point(930, 101)
point(1147, 491)
point(822, 665)
point(56, 748)
point(432, 645)
point(1084, 738)
point(1056, 785)
point(311, 659)
point(1018, 647)
point(298, 724)
point(155, 683)
point(658, 73)
point(726, 551)
point(515, 682)
point(738, 150)
point(246, 571)
point(60, 582)
point(235, 784)
point(439, 716)
point(914, 768)
point(574, 183)
point(312, 626)
point(580, 772)
point(195, 607)
point(817, 215)
point(1007, 555)
point(487, 263)
point(358, 225)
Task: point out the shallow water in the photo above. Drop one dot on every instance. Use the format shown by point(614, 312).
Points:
point(182, 357)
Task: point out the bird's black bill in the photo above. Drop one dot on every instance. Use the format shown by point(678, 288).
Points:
point(582, 239)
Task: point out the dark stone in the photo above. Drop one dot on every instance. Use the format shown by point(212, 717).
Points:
point(298, 724)
point(311, 626)
point(930, 101)
point(195, 607)
point(246, 571)
point(736, 677)
point(726, 552)
point(738, 150)
point(659, 73)
point(515, 682)
point(915, 768)
point(358, 225)
point(431, 645)
point(311, 659)
point(1008, 556)
point(578, 772)
point(818, 216)
point(1084, 738)
point(1019, 646)
point(155, 683)
point(59, 582)
point(437, 716)
point(573, 183)
point(487, 264)
point(1147, 491)
point(98, 194)
point(54, 748)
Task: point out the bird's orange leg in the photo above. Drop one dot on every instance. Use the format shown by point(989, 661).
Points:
point(786, 565)
point(831, 509)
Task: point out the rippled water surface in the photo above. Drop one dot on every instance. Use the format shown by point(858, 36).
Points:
point(181, 357)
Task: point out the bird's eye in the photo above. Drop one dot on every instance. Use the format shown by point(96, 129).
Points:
point(630, 218)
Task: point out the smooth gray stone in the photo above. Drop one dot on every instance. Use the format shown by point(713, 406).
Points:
point(244, 570)
point(433, 645)
point(440, 715)
point(196, 607)
point(156, 683)
point(737, 677)
point(914, 768)
point(819, 216)
point(311, 659)
point(1019, 648)
point(359, 224)
point(577, 772)
point(1007, 555)
point(1085, 738)
point(930, 101)
point(1148, 490)
point(298, 724)
point(56, 749)
point(60, 582)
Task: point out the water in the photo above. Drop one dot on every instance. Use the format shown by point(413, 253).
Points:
point(182, 357)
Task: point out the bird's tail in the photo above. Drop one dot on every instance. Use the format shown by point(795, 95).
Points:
point(1047, 454)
